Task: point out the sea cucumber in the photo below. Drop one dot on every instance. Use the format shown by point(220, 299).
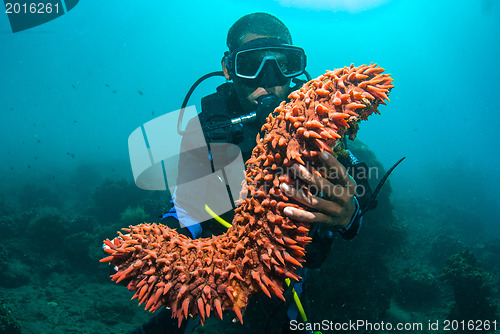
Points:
point(263, 246)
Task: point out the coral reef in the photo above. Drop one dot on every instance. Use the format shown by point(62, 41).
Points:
point(113, 197)
point(35, 196)
point(8, 324)
point(442, 246)
point(14, 272)
point(264, 246)
point(472, 288)
point(417, 287)
point(490, 258)
point(9, 227)
point(49, 228)
point(80, 246)
point(132, 215)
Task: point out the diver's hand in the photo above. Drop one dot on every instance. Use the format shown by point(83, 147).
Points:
point(336, 206)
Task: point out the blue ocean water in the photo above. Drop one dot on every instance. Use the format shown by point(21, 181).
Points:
point(70, 87)
point(72, 90)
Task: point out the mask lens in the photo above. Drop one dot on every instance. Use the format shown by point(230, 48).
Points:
point(291, 63)
point(290, 60)
point(247, 64)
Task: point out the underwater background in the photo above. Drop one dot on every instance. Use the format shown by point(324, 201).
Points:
point(72, 90)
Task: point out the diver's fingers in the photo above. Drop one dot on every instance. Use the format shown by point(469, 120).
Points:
point(336, 171)
point(310, 199)
point(311, 217)
point(319, 186)
point(316, 183)
point(300, 215)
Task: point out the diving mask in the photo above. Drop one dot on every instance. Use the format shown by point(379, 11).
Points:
point(266, 62)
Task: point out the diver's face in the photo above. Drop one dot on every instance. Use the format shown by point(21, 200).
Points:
point(248, 95)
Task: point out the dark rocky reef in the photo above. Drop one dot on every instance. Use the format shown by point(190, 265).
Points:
point(472, 288)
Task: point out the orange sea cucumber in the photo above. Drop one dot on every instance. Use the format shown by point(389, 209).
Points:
point(264, 246)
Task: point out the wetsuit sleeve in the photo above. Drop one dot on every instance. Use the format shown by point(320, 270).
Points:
point(352, 229)
point(359, 172)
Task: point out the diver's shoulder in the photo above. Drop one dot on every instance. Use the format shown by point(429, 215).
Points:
point(223, 102)
point(224, 90)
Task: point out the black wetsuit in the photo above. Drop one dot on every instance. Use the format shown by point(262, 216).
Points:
point(218, 108)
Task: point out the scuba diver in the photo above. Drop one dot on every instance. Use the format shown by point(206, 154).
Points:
point(260, 66)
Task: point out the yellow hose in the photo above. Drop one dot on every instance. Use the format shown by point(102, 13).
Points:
point(297, 301)
point(216, 217)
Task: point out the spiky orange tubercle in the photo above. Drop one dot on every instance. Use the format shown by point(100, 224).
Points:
point(264, 246)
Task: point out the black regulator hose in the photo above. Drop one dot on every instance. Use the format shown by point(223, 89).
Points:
point(188, 95)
